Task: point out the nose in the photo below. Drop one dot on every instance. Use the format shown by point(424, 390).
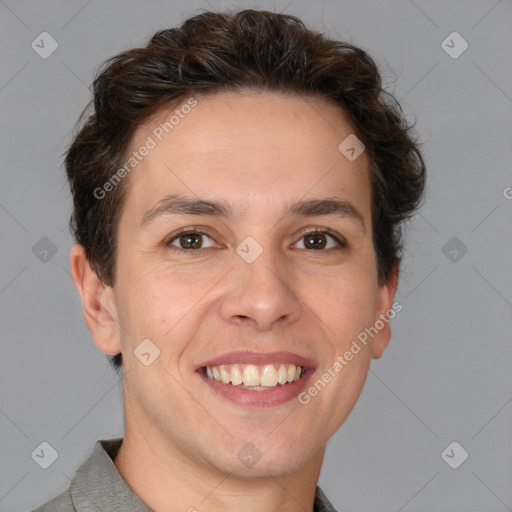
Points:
point(260, 294)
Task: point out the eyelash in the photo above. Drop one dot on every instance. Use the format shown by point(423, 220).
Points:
point(190, 252)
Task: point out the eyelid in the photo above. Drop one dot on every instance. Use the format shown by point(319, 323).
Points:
point(342, 242)
point(199, 230)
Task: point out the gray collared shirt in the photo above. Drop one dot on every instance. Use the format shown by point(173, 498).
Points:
point(98, 487)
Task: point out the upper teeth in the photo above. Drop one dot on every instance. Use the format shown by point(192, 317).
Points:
point(252, 375)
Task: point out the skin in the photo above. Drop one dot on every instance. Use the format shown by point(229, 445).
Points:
point(257, 151)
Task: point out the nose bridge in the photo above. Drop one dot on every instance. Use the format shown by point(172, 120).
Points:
point(259, 291)
point(265, 274)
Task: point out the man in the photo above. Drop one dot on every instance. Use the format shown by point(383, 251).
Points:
point(238, 194)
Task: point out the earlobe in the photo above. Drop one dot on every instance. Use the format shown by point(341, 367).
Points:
point(380, 343)
point(98, 302)
point(383, 317)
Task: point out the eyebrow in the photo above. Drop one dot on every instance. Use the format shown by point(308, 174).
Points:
point(176, 204)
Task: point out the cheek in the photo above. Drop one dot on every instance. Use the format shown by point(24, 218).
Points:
point(346, 300)
point(173, 293)
point(168, 306)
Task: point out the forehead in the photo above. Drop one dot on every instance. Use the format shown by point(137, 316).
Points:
point(248, 148)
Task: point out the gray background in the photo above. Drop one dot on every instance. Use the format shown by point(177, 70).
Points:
point(446, 374)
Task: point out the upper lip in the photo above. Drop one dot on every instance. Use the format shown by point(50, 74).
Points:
point(246, 357)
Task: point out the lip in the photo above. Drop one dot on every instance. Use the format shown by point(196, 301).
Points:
point(272, 397)
point(275, 396)
point(248, 357)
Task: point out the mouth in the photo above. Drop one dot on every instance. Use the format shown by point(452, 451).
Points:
point(257, 380)
point(255, 377)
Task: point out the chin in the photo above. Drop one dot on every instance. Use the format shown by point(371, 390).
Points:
point(261, 460)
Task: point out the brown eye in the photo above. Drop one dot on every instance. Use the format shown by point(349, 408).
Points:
point(191, 241)
point(318, 240)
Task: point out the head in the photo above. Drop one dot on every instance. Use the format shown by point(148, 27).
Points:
point(247, 111)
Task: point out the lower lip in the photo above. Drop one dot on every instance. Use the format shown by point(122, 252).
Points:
point(279, 395)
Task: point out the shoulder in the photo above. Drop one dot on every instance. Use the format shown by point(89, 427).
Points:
point(322, 504)
point(94, 476)
point(61, 503)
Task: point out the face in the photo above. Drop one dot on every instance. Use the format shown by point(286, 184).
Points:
point(253, 282)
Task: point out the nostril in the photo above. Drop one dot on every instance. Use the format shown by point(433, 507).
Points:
point(241, 318)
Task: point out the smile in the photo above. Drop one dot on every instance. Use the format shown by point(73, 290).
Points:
point(256, 377)
point(256, 380)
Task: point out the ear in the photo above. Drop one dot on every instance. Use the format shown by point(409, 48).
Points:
point(384, 308)
point(98, 303)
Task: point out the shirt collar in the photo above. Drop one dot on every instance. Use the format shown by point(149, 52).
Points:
point(98, 485)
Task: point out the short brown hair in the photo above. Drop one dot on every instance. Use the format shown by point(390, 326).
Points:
point(229, 51)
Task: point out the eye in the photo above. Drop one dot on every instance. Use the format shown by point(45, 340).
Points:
point(317, 240)
point(188, 241)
